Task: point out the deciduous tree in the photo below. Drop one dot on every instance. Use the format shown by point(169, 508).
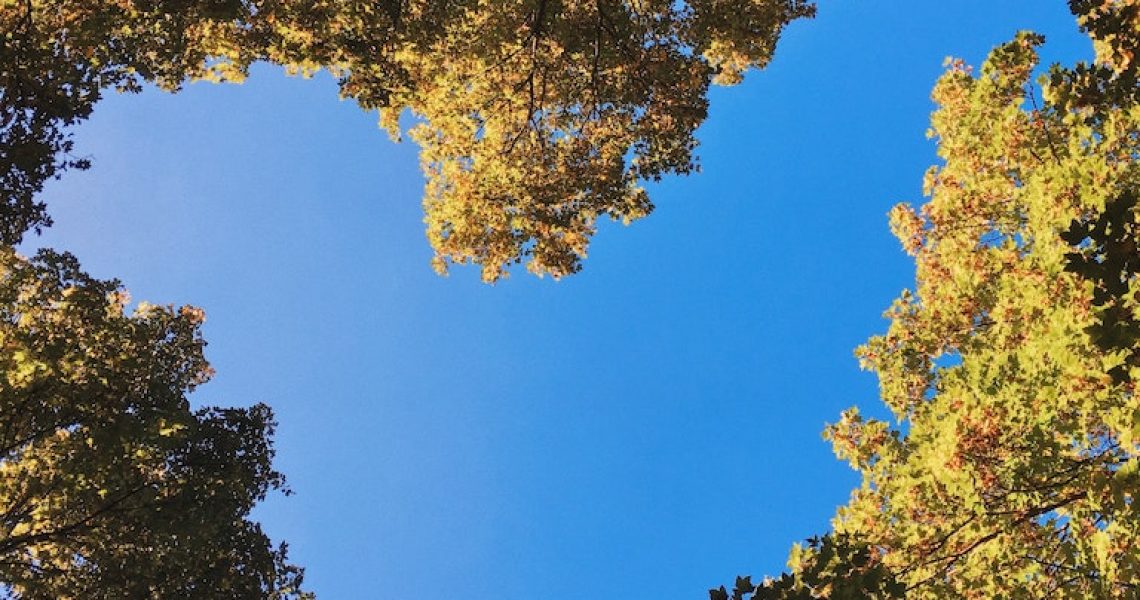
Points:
point(538, 117)
point(1013, 469)
point(111, 486)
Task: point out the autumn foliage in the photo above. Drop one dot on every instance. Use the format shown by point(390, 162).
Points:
point(1013, 466)
point(538, 117)
point(111, 486)
point(1010, 469)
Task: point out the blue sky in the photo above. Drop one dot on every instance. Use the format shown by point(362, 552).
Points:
point(647, 428)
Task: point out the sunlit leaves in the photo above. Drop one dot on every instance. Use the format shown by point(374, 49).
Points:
point(1010, 368)
point(1004, 483)
point(538, 118)
point(110, 485)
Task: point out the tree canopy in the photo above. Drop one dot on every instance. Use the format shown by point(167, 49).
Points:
point(1011, 469)
point(110, 485)
point(1014, 468)
point(537, 117)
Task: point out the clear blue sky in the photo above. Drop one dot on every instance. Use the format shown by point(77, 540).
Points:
point(648, 428)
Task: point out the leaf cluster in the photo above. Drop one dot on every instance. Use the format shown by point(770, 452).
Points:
point(537, 117)
point(111, 486)
point(1106, 253)
point(1011, 468)
point(827, 567)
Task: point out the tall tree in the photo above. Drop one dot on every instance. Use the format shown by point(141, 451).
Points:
point(539, 117)
point(110, 485)
point(1011, 369)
